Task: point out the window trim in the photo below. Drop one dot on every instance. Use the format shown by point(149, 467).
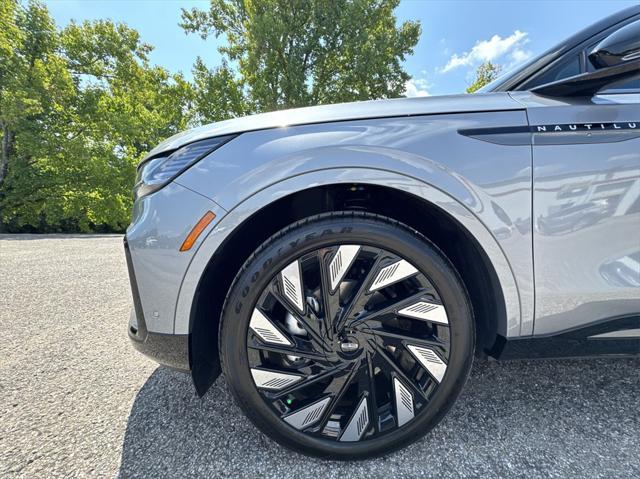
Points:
point(580, 49)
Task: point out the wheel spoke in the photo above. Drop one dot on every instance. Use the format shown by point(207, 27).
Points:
point(397, 370)
point(330, 299)
point(362, 295)
point(397, 339)
point(307, 416)
point(294, 351)
point(308, 320)
point(263, 327)
point(404, 402)
point(292, 285)
point(338, 388)
point(360, 419)
point(423, 351)
point(273, 379)
point(372, 392)
point(358, 423)
point(392, 307)
point(311, 380)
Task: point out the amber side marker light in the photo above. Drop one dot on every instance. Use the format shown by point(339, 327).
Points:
point(190, 240)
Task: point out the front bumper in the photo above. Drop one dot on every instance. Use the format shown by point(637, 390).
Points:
point(161, 222)
point(168, 349)
point(171, 350)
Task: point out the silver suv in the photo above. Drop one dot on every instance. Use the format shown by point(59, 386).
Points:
point(343, 264)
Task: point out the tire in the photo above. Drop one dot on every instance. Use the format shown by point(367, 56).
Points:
point(329, 303)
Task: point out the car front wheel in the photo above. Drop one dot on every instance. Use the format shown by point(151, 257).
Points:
point(346, 335)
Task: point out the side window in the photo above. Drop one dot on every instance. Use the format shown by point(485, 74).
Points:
point(578, 62)
point(563, 69)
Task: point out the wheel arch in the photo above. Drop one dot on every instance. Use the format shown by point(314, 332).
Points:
point(459, 234)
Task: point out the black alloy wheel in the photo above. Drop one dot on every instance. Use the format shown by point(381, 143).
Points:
point(346, 335)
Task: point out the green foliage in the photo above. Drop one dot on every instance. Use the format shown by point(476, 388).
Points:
point(292, 53)
point(80, 106)
point(217, 93)
point(485, 74)
point(78, 110)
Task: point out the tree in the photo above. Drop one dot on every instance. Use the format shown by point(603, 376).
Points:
point(292, 53)
point(80, 106)
point(28, 71)
point(485, 74)
point(10, 41)
point(218, 94)
point(78, 110)
point(34, 92)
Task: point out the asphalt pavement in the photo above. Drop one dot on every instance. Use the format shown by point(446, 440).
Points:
point(77, 401)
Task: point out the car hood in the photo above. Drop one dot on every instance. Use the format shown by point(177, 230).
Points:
point(344, 111)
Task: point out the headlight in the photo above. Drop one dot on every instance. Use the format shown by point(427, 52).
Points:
point(155, 173)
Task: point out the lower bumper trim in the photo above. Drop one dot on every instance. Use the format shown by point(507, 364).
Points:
point(170, 350)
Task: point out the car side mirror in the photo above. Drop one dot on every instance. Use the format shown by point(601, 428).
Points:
point(620, 47)
point(616, 58)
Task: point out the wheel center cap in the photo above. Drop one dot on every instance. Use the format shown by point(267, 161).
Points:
point(349, 345)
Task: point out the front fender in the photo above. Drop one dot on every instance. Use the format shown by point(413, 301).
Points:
point(486, 186)
point(236, 216)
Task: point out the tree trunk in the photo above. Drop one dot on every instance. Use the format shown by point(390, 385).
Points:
point(6, 146)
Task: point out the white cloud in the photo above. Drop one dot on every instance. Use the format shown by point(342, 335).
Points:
point(519, 55)
point(496, 47)
point(416, 87)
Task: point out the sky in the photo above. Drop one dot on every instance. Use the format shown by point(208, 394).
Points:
point(456, 35)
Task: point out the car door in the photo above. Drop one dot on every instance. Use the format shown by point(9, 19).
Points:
point(586, 208)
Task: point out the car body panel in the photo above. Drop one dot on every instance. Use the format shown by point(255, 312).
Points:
point(490, 181)
point(234, 218)
point(586, 211)
point(161, 221)
point(340, 112)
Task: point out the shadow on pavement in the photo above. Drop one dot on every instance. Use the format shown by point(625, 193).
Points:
point(517, 418)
